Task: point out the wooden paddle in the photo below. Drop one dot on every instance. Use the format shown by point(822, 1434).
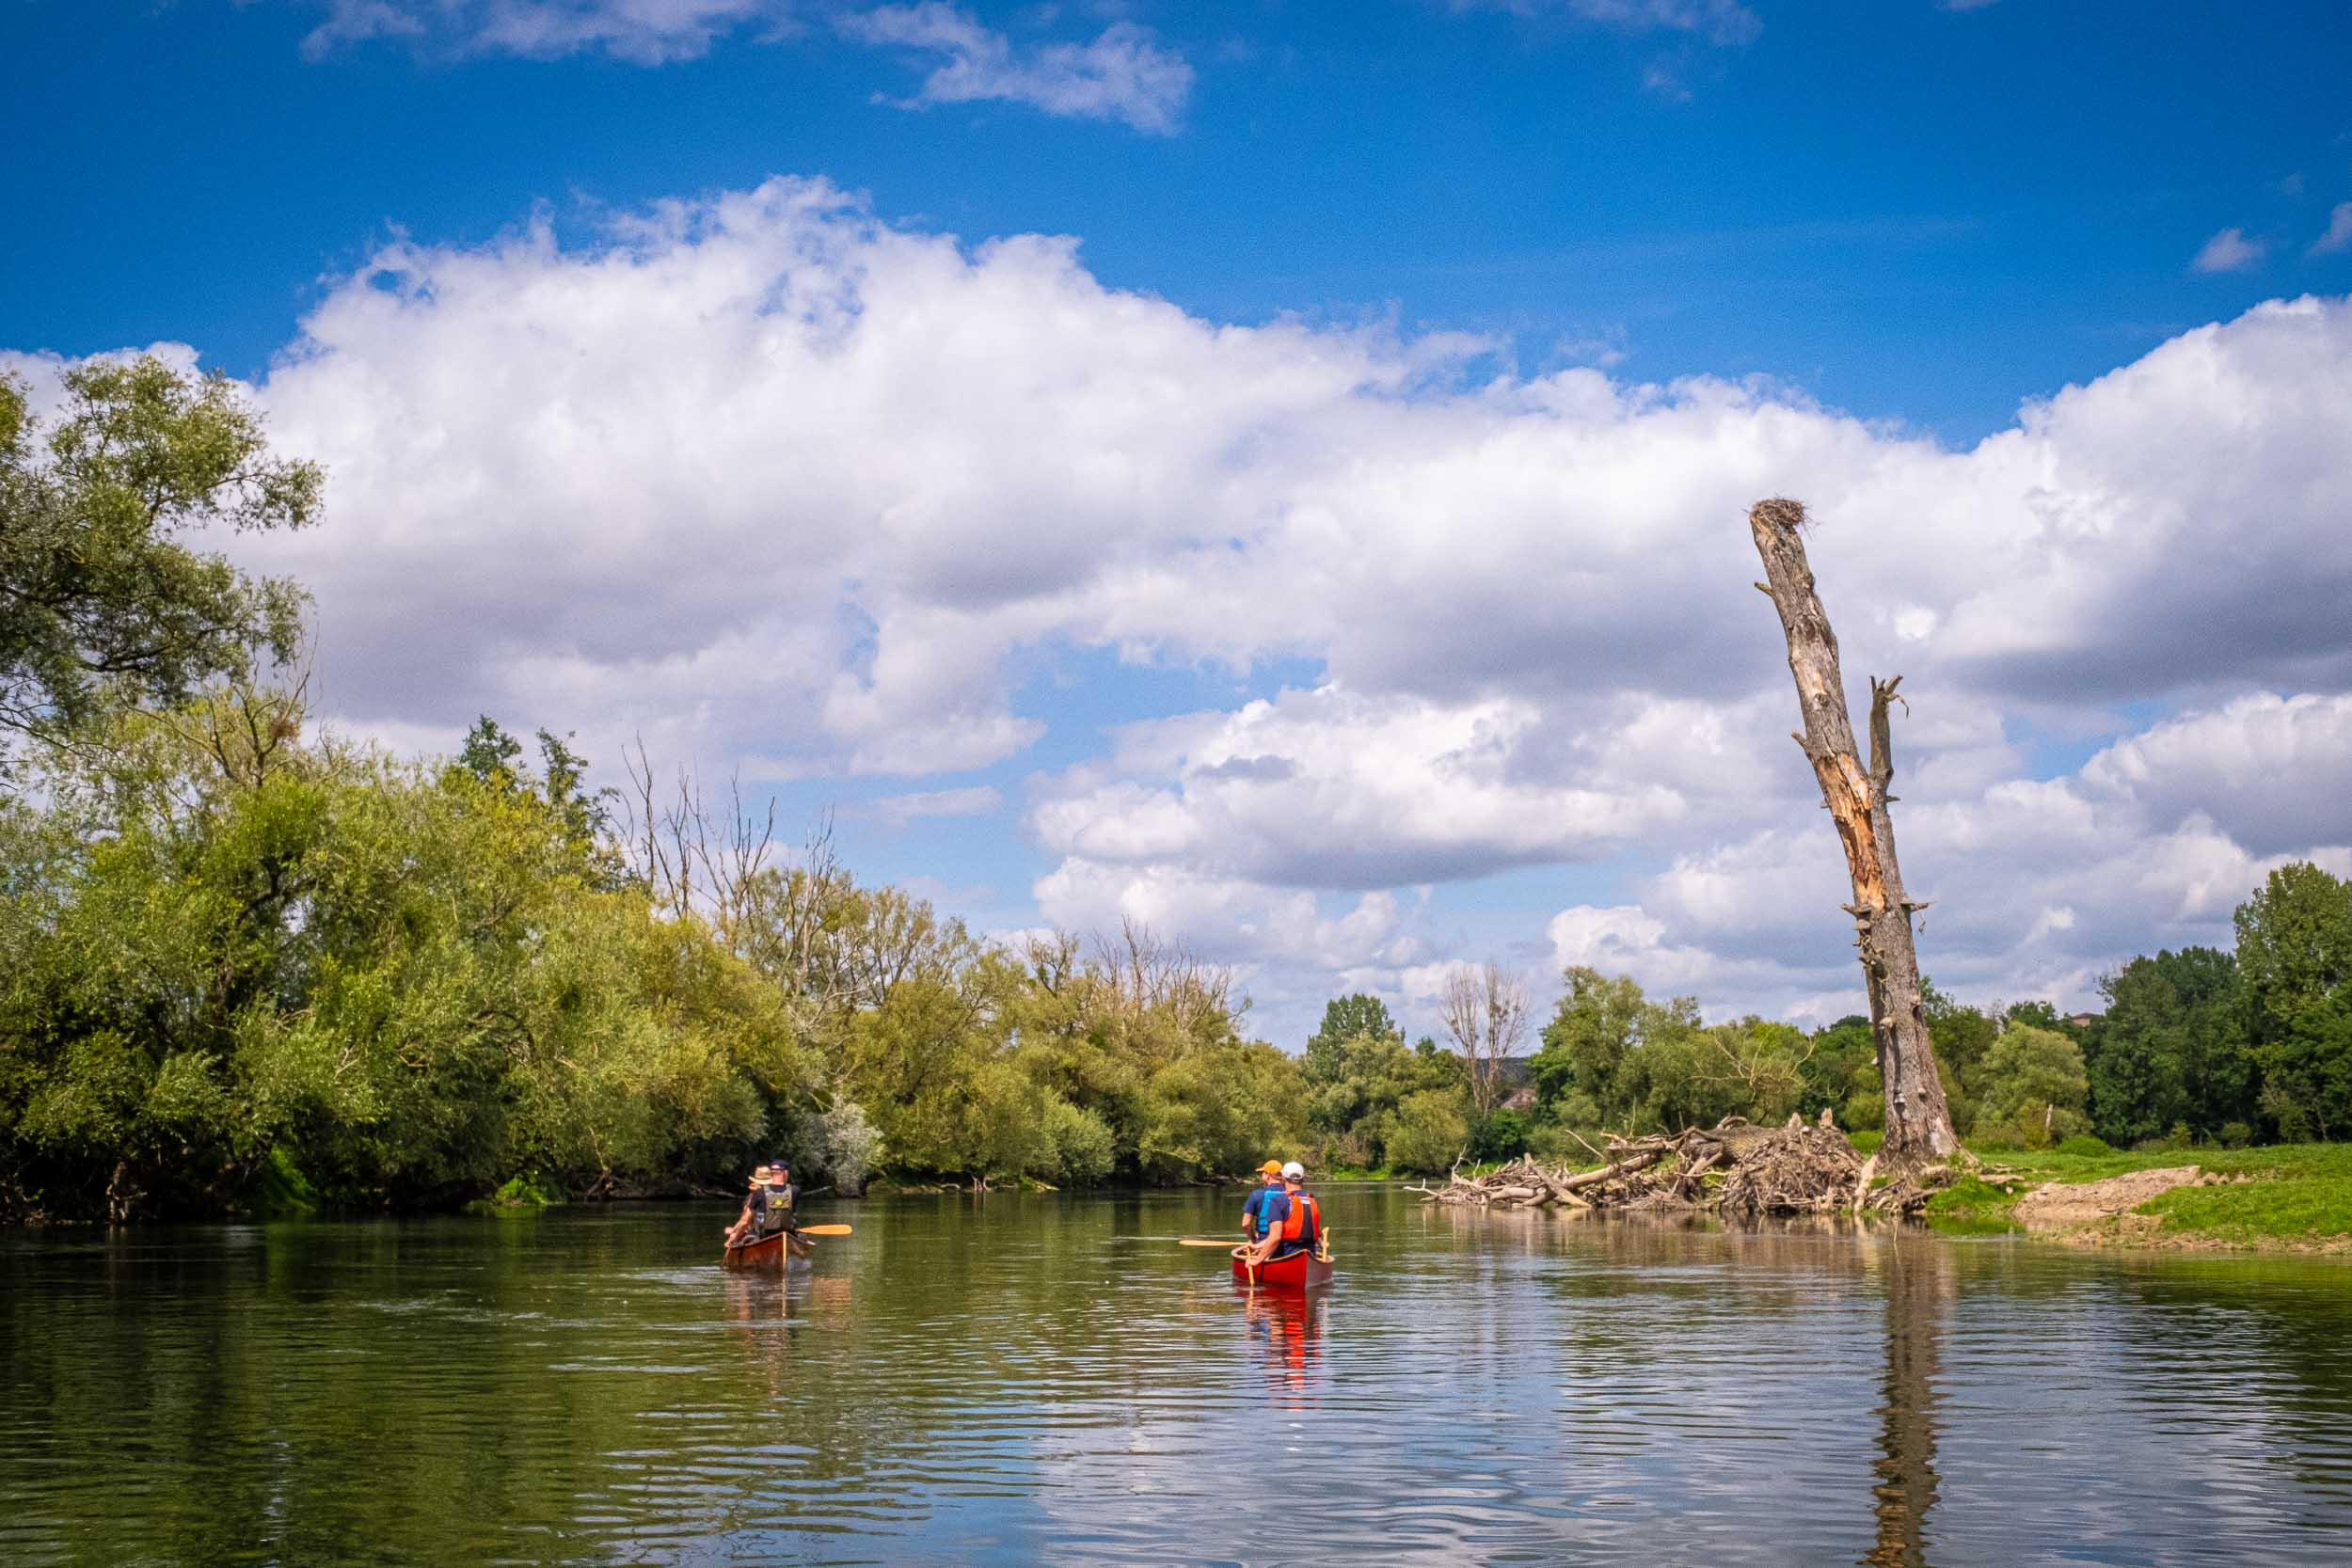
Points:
point(1226, 1242)
point(825, 1231)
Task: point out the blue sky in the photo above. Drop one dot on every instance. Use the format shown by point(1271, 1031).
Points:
point(1916, 215)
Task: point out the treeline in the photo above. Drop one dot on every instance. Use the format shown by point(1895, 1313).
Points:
point(2195, 1045)
point(240, 966)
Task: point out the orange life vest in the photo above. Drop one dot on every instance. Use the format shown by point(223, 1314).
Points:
point(1305, 1221)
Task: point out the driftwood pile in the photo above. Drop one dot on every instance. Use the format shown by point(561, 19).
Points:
point(1735, 1168)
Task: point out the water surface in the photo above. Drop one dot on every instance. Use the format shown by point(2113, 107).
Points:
point(1014, 1379)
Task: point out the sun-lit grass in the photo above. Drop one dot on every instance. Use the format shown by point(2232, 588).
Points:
point(2298, 1190)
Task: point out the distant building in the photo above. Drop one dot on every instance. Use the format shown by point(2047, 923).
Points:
point(2083, 1021)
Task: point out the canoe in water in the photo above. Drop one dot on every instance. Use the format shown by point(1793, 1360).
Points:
point(776, 1247)
point(1298, 1272)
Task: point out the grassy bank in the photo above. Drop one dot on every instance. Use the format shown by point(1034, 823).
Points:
point(2287, 1195)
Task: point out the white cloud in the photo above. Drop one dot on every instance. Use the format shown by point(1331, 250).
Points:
point(1123, 74)
point(2339, 235)
point(2228, 251)
point(643, 32)
point(2250, 767)
point(1327, 790)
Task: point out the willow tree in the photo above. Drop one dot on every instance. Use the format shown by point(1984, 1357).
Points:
point(1919, 1122)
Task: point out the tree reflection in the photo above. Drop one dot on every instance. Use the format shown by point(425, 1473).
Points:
point(1917, 1271)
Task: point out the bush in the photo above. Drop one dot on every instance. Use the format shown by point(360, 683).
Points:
point(2085, 1143)
point(1427, 1131)
point(1083, 1146)
point(1498, 1135)
point(1867, 1142)
point(2170, 1143)
point(2233, 1134)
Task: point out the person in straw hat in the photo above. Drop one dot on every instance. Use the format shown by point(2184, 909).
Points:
point(746, 1226)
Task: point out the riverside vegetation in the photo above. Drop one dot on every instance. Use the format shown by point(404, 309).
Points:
point(246, 965)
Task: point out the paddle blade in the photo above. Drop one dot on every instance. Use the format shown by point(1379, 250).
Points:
point(825, 1231)
point(1226, 1242)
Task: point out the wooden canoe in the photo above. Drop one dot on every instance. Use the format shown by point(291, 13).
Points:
point(1301, 1271)
point(776, 1247)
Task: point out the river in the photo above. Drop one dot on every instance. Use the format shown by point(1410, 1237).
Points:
point(1015, 1380)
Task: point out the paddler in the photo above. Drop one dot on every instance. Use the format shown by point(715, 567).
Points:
point(746, 1224)
point(1253, 1225)
point(1294, 1219)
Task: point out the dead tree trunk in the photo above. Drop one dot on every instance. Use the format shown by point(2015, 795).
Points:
point(1918, 1123)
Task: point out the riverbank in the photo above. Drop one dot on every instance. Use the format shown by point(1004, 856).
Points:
point(2291, 1197)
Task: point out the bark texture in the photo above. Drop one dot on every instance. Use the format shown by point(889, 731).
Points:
point(1919, 1122)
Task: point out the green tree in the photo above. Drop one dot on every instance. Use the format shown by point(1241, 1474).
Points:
point(2170, 1049)
point(1428, 1131)
point(2033, 1081)
point(1345, 1018)
point(1841, 1076)
point(1611, 1056)
point(2295, 958)
point(1963, 1036)
point(102, 605)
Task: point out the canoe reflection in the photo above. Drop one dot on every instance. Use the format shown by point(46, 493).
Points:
point(1289, 1331)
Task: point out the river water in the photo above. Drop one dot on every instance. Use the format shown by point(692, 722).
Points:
point(1016, 1380)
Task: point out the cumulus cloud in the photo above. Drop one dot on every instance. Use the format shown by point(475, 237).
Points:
point(643, 32)
point(765, 477)
point(1328, 789)
point(1125, 74)
point(2228, 251)
point(2339, 235)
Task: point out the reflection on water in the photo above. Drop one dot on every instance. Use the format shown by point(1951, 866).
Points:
point(1017, 1380)
point(1915, 1273)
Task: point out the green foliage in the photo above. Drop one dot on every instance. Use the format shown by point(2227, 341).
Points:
point(1428, 1131)
point(230, 952)
point(2032, 1082)
point(1500, 1134)
point(106, 607)
point(2084, 1144)
point(2170, 1047)
point(2295, 956)
point(1866, 1143)
point(1354, 1081)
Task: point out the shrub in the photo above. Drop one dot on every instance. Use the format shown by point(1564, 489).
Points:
point(1867, 1142)
point(2234, 1134)
point(2085, 1143)
point(1427, 1131)
point(1500, 1135)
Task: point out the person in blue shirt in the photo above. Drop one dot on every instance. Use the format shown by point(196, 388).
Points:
point(1253, 1217)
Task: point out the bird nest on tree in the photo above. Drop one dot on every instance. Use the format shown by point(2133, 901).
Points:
point(1735, 1168)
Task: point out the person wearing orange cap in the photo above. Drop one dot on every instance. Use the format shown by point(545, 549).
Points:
point(1253, 1215)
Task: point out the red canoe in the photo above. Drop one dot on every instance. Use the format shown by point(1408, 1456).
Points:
point(768, 1251)
point(1298, 1272)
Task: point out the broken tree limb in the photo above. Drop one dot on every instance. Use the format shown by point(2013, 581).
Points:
point(1919, 1122)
